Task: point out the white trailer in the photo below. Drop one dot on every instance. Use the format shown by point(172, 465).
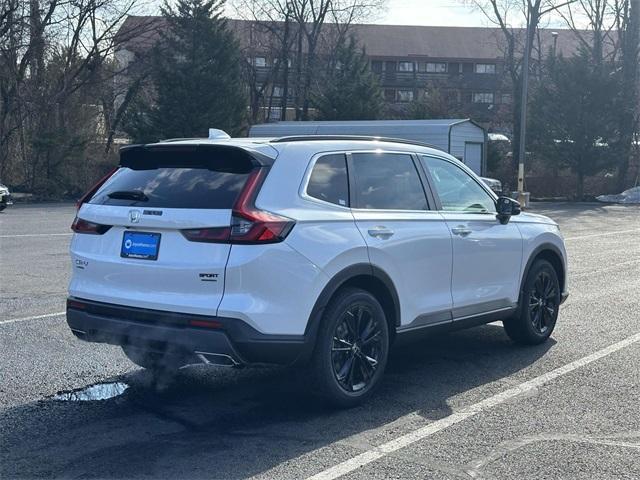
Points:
point(462, 138)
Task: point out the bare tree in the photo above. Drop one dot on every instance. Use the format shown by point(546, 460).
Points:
point(305, 32)
point(54, 66)
point(627, 14)
point(270, 33)
point(513, 18)
point(612, 36)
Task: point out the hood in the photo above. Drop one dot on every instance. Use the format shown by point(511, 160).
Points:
point(528, 217)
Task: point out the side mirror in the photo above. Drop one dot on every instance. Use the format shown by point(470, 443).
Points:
point(506, 207)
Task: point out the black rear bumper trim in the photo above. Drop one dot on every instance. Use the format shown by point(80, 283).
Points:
point(159, 330)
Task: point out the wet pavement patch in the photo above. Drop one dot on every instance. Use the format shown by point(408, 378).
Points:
point(99, 391)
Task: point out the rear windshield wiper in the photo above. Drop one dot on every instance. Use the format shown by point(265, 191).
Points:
point(129, 195)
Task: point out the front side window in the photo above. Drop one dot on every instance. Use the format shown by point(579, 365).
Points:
point(387, 181)
point(458, 191)
point(260, 61)
point(328, 181)
point(405, 66)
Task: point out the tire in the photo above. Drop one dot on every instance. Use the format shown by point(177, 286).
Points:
point(539, 306)
point(351, 349)
point(153, 361)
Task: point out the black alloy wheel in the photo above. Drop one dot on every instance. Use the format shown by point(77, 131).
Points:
point(351, 349)
point(357, 348)
point(539, 306)
point(543, 302)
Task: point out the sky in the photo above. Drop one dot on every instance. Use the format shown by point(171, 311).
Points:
point(441, 12)
point(431, 12)
point(437, 12)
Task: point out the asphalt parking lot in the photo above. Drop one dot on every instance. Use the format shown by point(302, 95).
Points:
point(464, 405)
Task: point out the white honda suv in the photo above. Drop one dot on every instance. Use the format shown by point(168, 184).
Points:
point(313, 251)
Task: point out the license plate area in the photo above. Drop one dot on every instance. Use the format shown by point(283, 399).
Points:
point(140, 245)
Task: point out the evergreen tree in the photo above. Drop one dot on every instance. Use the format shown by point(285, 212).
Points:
point(196, 76)
point(431, 104)
point(350, 91)
point(571, 116)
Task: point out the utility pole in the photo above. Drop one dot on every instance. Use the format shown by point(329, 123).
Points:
point(523, 113)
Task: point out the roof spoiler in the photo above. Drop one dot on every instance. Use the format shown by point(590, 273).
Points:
point(222, 158)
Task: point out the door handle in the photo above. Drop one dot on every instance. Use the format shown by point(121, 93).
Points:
point(461, 230)
point(381, 232)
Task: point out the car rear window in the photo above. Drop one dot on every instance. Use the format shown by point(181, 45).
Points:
point(173, 188)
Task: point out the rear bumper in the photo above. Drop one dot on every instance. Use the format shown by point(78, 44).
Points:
point(193, 336)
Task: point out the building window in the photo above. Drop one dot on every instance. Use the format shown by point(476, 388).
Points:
point(275, 114)
point(405, 66)
point(483, 97)
point(260, 61)
point(376, 66)
point(486, 68)
point(506, 98)
point(405, 95)
point(277, 60)
point(436, 68)
point(278, 91)
point(390, 95)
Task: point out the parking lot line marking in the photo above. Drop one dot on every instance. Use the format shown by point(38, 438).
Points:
point(604, 269)
point(35, 317)
point(602, 234)
point(37, 235)
point(410, 438)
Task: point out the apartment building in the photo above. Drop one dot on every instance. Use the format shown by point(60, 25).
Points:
point(464, 64)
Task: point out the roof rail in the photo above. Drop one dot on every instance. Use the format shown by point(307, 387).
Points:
point(169, 140)
point(305, 138)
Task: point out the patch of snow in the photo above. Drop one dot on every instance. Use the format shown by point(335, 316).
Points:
point(631, 196)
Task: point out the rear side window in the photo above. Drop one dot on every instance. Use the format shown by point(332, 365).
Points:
point(387, 181)
point(172, 188)
point(328, 181)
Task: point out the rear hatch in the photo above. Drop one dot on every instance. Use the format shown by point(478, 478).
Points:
point(152, 235)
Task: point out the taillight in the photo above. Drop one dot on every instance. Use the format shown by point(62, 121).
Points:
point(80, 225)
point(249, 225)
point(208, 235)
point(87, 196)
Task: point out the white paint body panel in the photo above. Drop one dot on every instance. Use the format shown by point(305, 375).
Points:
point(417, 257)
point(171, 283)
point(274, 287)
point(487, 263)
point(271, 287)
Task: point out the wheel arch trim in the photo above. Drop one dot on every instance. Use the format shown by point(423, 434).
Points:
point(339, 280)
point(535, 254)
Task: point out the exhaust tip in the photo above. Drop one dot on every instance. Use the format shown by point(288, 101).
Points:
point(219, 359)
